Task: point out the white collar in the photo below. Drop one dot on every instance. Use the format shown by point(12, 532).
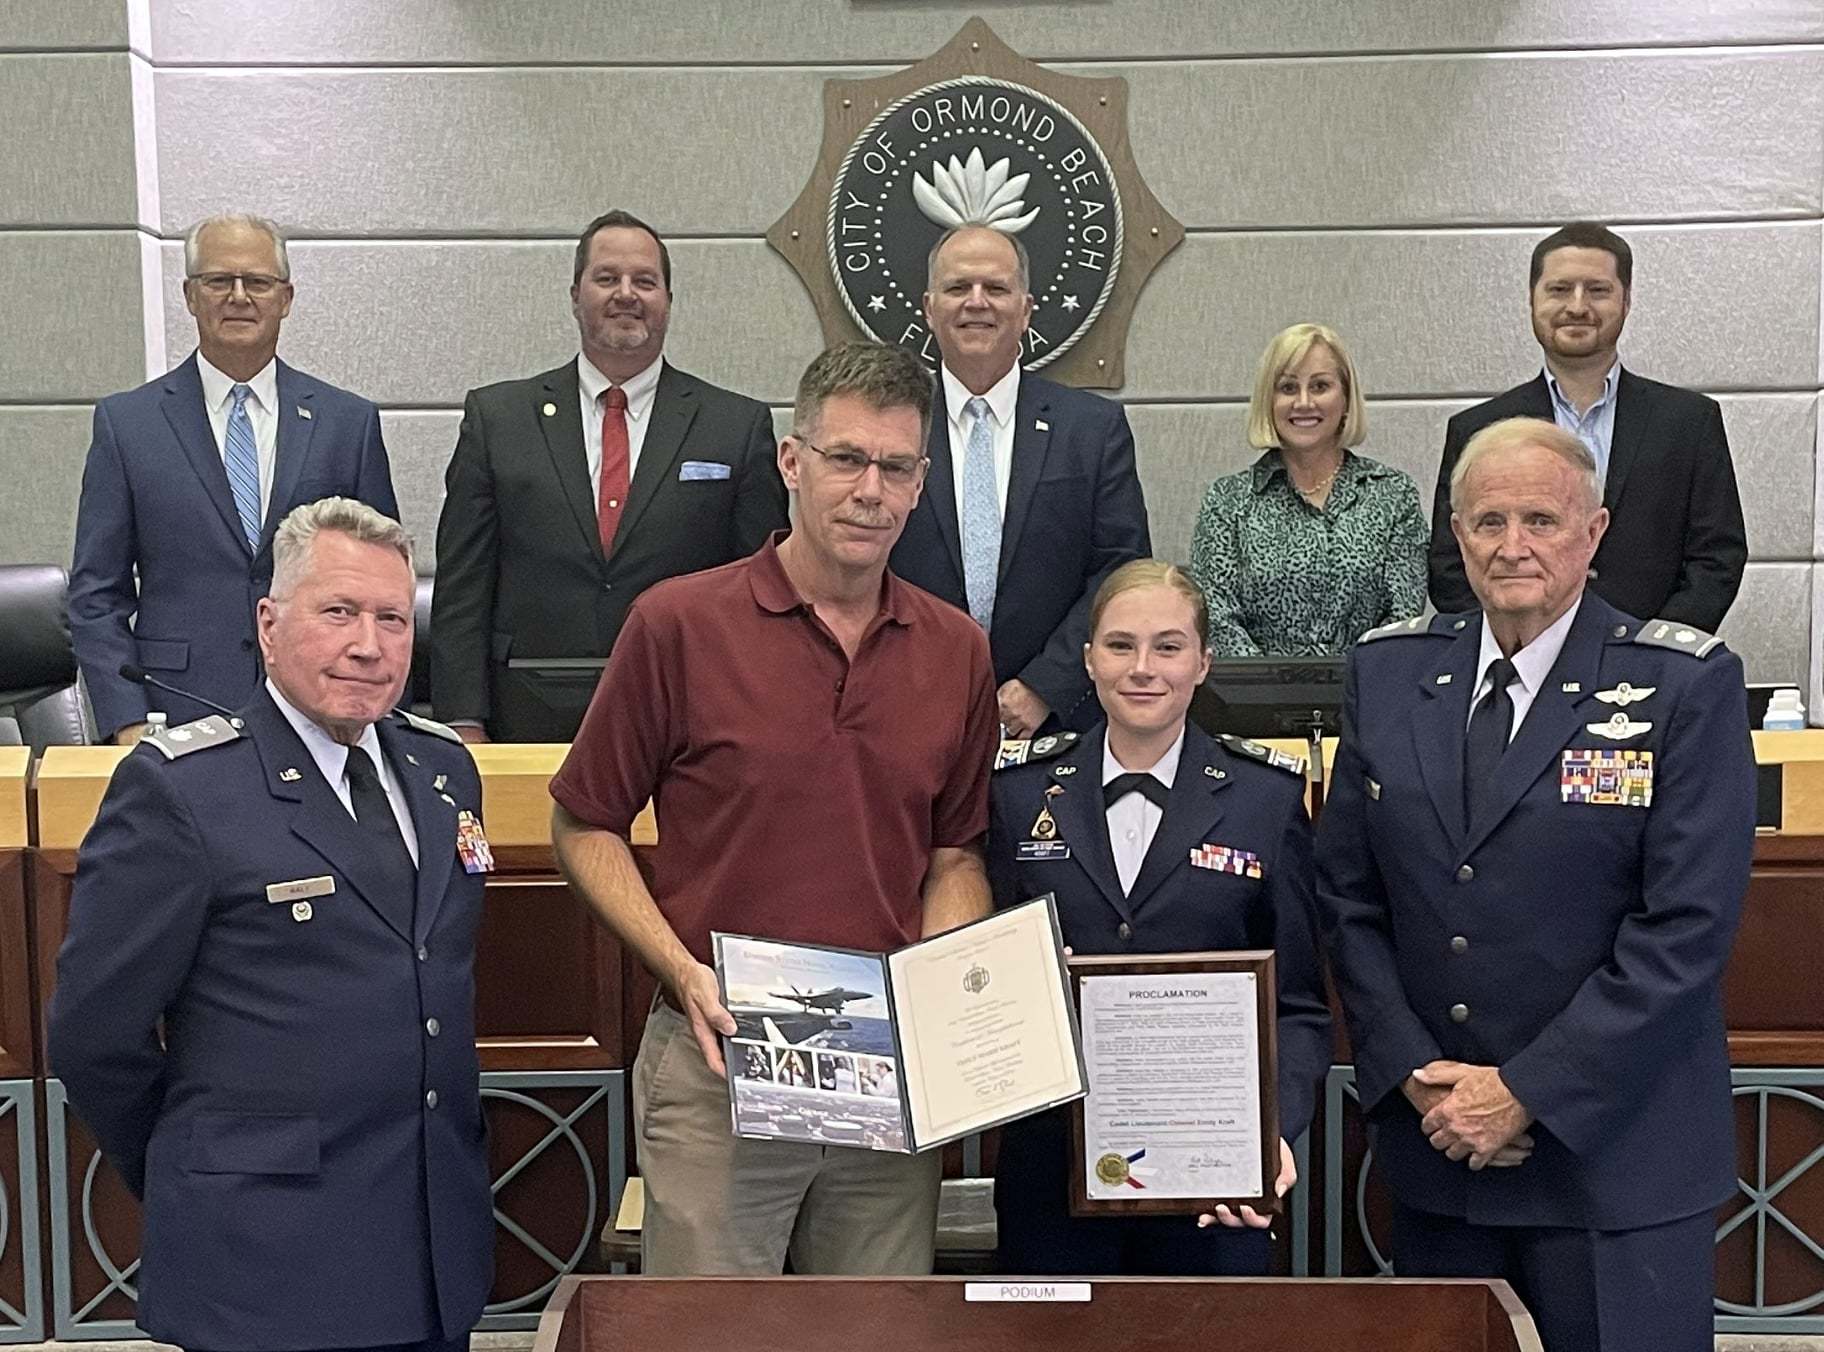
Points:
point(1534, 662)
point(641, 389)
point(1165, 769)
point(1001, 397)
point(219, 388)
point(331, 756)
point(1609, 382)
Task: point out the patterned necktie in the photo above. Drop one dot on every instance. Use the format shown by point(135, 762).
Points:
point(611, 499)
point(374, 815)
point(1491, 726)
point(981, 516)
point(242, 460)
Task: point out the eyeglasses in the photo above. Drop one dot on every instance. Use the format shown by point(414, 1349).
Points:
point(256, 285)
point(845, 465)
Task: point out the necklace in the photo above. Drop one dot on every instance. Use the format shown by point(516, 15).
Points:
point(1318, 489)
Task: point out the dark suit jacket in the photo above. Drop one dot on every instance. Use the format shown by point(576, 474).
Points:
point(1676, 545)
point(155, 498)
point(526, 607)
point(1074, 513)
point(300, 1188)
point(1593, 935)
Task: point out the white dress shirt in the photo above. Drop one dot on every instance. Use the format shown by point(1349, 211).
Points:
point(262, 412)
point(331, 759)
point(1533, 663)
point(1133, 820)
point(641, 390)
point(1002, 397)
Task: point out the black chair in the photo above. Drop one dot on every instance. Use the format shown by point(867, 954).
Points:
point(39, 689)
point(418, 687)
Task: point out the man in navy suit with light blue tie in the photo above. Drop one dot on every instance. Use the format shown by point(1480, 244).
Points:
point(1032, 497)
point(189, 475)
point(1531, 865)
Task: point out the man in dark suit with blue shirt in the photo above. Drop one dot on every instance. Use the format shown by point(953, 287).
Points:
point(265, 1002)
point(1032, 497)
point(189, 475)
point(1531, 866)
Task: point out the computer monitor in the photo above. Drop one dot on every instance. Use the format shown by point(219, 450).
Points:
point(1271, 697)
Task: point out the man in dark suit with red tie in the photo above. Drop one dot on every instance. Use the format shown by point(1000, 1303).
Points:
point(573, 491)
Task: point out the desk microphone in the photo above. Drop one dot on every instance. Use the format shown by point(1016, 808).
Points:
point(139, 676)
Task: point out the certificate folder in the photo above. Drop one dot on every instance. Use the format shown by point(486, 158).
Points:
point(900, 1051)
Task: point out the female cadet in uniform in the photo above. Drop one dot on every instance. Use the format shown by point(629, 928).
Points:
point(1131, 801)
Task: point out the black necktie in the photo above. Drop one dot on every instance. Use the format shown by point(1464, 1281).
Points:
point(374, 815)
point(1122, 785)
point(1491, 724)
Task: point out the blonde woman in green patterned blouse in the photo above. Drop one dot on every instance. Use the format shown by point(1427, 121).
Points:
point(1313, 544)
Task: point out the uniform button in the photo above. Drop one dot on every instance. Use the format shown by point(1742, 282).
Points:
point(1133, 835)
point(1459, 944)
point(1458, 1014)
point(607, 586)
point(1126, 931)
point(423, 953)
point(430, 1095)
point(432, 1027)
point(1466, 874)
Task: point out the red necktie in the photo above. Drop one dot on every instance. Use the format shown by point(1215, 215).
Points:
point(612, 497)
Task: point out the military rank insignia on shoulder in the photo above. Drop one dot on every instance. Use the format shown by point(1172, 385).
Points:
point(185, 738)
point(1026, 750)
point(1417, 625)
point(1679, 637)
point(431, 726)
point(1266, 755)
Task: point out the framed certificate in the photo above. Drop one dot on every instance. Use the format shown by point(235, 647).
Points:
point(903, 1051)
point(1183, 1107)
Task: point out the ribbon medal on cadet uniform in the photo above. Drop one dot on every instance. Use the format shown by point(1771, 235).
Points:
point(1223, 859)
point(1044, 843)
point(471, 845)
point(1607, 778)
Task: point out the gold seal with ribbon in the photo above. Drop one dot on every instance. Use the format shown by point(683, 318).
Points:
point(1112, 1169)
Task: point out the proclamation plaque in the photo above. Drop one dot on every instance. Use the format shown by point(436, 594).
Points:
point(1182, 1110)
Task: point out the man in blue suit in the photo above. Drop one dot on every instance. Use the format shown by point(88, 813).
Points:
point(291, 895)
point(1530, 866)
point(1032, 497)
point(189, 475)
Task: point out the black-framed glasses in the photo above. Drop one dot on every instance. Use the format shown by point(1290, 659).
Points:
point(846, 465)
point(256, 285)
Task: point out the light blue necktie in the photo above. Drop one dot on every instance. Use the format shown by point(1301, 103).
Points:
point(981, 516)
point(243, 463)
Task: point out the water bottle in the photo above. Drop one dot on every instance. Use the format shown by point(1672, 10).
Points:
point(1785, 712)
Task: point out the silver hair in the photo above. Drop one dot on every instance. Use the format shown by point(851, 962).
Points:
point(1510, 434)
point(269, 228)
point(345, 516)
point(1019, 252)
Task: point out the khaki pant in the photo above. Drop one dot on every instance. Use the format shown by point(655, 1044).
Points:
point(717, 1205)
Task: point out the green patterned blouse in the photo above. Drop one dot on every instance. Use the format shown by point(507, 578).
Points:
point(1285, 578)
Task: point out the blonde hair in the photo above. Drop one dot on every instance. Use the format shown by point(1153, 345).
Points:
point(1287, 350)
point(1511, 434)
point(1138, 573)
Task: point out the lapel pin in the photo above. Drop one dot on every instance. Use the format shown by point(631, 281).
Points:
point(1619, 728)
point(1214, 773)
point(1444, 679)
point(548, 410)
point(300, 911)
point(1040, 425)
point(1065, 770)
point(439, 782)
point(290, 775)
point(1571, 688)
point(303, 413)
point(1624, 694)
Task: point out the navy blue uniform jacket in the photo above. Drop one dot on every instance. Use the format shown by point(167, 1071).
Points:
point(300, 1190)
point(1074, 513)
point(1581, 945)
point(1218, 797)
point(155, 498)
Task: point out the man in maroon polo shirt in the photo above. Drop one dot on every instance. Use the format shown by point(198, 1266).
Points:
point(817, 735)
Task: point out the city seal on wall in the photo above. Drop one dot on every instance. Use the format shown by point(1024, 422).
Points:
point(977, 135)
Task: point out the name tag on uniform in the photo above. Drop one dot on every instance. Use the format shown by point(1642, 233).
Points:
point(692, 470)
point(1607, 778)
point(471, 845)
point(1223, 859)
point(1037, 850)
point(300, 889)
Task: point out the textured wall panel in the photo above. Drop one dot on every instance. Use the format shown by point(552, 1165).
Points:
point(66, 157)
point(418, 445)
point(72, 317)
point(1387, 141)
point(41, 454)
point(26, 24)
point(1425, 313)
point(1767, 624)
point(850, 30)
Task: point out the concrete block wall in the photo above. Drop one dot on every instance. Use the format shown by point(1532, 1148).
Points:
point(1383, 166)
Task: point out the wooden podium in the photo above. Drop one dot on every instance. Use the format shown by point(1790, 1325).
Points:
point(915, 1314)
